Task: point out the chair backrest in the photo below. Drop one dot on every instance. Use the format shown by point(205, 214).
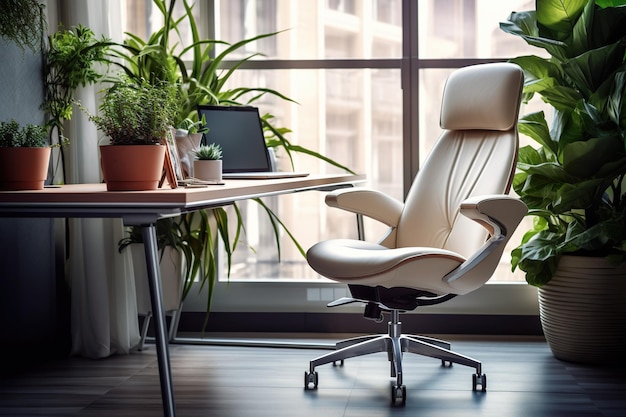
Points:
point(475, 155)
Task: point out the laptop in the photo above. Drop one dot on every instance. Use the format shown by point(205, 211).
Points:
point(239, 131)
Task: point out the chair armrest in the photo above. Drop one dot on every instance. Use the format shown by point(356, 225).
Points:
point(500, 214)
point(370, 203)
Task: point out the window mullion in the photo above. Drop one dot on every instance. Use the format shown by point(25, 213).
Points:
point(410, 92)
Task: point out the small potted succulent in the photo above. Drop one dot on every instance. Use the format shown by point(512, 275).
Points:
point(24, 156)
point(207, 165)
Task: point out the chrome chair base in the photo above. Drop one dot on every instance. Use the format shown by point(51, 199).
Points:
point(395, 344)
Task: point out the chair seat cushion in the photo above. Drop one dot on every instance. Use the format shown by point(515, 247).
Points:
point(364, 263)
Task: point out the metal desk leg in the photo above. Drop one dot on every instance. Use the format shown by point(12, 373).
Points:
point(161, 339)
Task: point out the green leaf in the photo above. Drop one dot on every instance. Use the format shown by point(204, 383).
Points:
point(559, 16)
point(549, 170)
point(276, 225)
point(540, 247)
point(610, 3)
point(524, 24)
point(609, 24)
point(583, 159)
point(539, 73)
point(573, 196)
point(589, 70)
point(561, 97)
point(615, 99)
point(538, 257)
point(590, 239)
point(538, 273)
point(534, 125)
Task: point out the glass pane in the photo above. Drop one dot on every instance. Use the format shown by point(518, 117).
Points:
point(469, 29)
point(142, 18)
point(313, 29)
point(352, 116)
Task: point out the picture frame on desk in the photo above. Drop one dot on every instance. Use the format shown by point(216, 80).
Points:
point(172, 170)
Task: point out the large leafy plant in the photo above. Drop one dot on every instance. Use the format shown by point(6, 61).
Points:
point(574, 181)
point(198, 74)
point(197, 70)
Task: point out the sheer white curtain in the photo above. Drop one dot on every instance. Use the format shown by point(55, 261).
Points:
point(104, 309)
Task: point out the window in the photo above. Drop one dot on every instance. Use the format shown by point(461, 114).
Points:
point(341, 61)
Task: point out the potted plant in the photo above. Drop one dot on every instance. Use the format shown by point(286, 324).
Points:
point(69, 62)
point(574, 182)
point(24, 156)
point(201, 80)
point(207, 164)
point(136, 116)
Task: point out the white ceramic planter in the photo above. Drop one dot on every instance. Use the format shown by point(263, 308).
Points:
point(171, 279)
point(186, 144)
point(583, 310)
point(207, 170)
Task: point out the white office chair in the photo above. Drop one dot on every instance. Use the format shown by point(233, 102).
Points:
point(431, 253)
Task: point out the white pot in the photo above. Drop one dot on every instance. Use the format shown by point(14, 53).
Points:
point(186, 144)
point(207, 170)
point(171, 279)
point(583, 310)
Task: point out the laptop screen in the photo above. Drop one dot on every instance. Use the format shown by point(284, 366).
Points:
point(239, 131)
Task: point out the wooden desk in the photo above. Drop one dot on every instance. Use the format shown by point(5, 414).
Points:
point(144, 208)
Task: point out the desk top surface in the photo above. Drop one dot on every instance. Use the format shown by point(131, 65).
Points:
point(181, 197)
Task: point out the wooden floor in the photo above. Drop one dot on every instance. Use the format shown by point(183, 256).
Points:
point(524, 380)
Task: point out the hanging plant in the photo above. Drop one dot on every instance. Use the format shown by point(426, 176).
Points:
point(23, 22)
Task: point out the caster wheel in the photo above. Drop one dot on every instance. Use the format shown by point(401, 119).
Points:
point(338, 363)
point(446, 364)
point(398, 395)
point(479, 380)
point(310, 380)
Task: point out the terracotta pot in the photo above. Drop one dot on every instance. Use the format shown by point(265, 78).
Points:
point(132, 167)
point(23, 168)
point(583, 310)
point(207, 169)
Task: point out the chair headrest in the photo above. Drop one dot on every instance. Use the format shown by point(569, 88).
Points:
point(484, 96)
